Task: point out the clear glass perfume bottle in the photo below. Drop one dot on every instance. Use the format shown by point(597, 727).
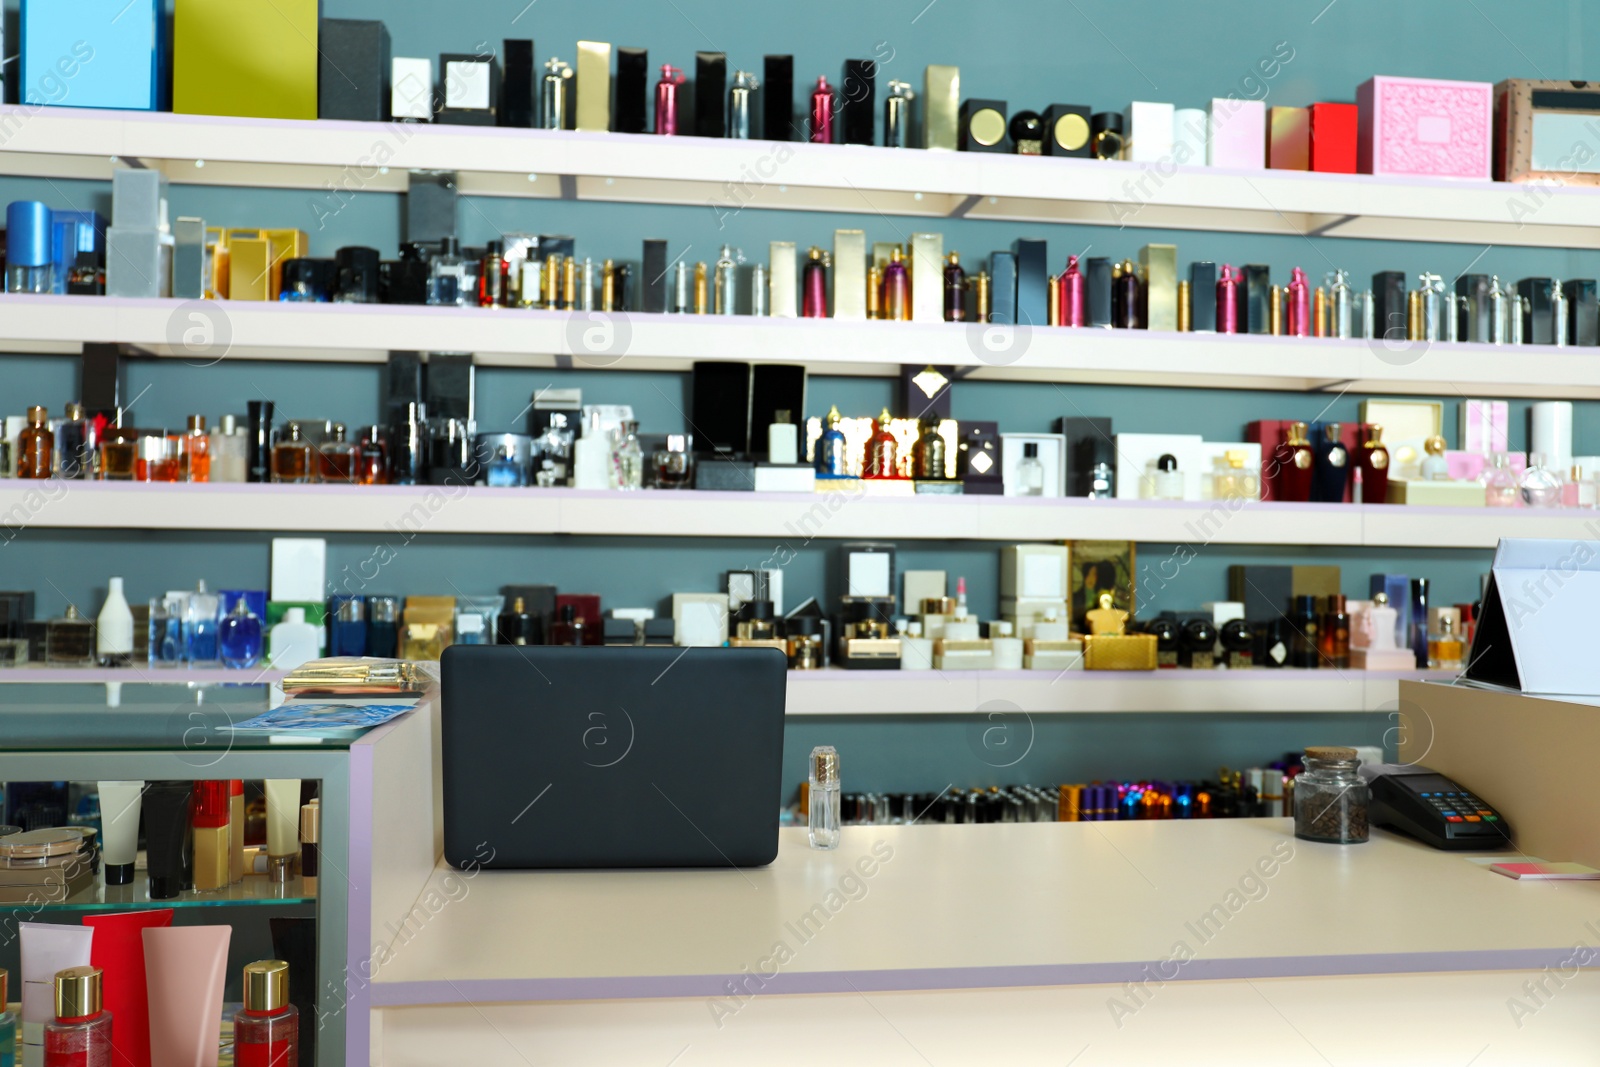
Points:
point(166, 639)
point(627, 459)
point(1435, 468)
point(552, 451)
point(266, 1030)
point(200, 626)
point(1444, 641)
point(822, 798)
point(1541, 487)
point(674, 466)
point(291, 457)
point(1165, 482)
point(229, 451)
point(194, 457)
point(1030, 472)
point(239, 637)
point(1577, 491)
point(502, 471)
point(1500, 483)
point(449, 281)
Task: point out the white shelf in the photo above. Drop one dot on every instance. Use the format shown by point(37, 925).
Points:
point(354, 156)
point(793, 517)
point(139, 673)
point(505, 337)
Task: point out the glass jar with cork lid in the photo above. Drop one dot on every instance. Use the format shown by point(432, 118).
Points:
point(1330, 797)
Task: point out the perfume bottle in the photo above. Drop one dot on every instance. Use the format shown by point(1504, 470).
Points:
point(1166, 634)
point(896, 288)
point(502, 471)
point(667, 100)
point(822, 798)
point(225, 451)
point(627, 459)
point(830, 458)
point(494, 276)
point(822, 112)
point(1540, 486)
point(515, 626)
point(266, 1030)
point(1126, 312)
point(8, 1020)
point(929, 456)
point(1030, 472)
point(1444, 640)
point(568, 627)
point(383, 625)
point(35, 445)
point(727, 280)
point(165, 637)
point(1331, 471)
point(239, 637)
point(339, 458)
point(119, 450)
point(372, 466)
point(1577, 491)
point(448, 283)
point(69, 640)
point(80, 1033)
point(879, 459)
point(1379, 623)
point(1305, 641)
point(194, 452)
point(1373, 462)
point(1434, 466)
point(1299, 304)
point(1102, 479)
point(294, 641)
point(814, 286)
point(291, 457)
point(347, 625)
point(955, 289)
point(674, 466)
point(76, 445)
point(1500, 483)
point(114, 628)
point(1293, 463)
point(1069, 295)
point(1333, 634)
point(1228, 299)
point(408, 447)
point(30, 260)
point(552, 451)
point(200, 626)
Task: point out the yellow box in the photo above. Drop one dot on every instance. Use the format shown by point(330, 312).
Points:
point(1444, 494)
point(286, 244)
point(1119, 652)
point(239, 57)
point(249, 274)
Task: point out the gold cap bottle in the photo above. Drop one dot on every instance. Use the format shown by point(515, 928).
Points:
point(78, 992)
point(266, 986)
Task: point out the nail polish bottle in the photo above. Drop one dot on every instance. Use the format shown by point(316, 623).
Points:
point(266, 1030)
point(955, 288)
point(814, 286)
point(80, 1033)
point(667, 100)
point(822, 112)
point(1331, 472)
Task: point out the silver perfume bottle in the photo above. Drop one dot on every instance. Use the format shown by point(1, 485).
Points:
point(586, 287)
point(897, 115)
point(1369, 321)
point(1341, 306)
point(727, 281)
point(681, 289)
point(1432, 287)
point(1558, 311)
point(1501, 309)
point(758, 290)
point(553, 95)
point(739, 98)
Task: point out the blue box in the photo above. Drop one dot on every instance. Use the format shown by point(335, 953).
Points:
point(91, 229)
point(93, 53)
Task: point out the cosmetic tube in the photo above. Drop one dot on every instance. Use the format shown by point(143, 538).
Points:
point(119, 952)
point(212, 848)
point(185, 967)
point(236, 834)
point(46, 949)
point(310, 837)
point(119, 837)
point(283, 827)
point(167, 835)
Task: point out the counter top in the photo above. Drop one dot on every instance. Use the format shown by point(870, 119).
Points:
point(946, 907)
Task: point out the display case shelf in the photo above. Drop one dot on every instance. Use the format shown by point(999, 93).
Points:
point(255, 891)
point(203, 333)
point(797, 518)
point(727, 176)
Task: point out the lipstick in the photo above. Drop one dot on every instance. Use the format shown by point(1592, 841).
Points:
point(667, 100)
point(822, 112)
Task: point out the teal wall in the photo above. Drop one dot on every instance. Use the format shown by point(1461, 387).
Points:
point(1030, 54)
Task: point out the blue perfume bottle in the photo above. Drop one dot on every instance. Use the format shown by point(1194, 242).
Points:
point(1331, 467)
point(167, 646)
point(830, 458)
point(239, 636)
point(383, 626)
point(347, 625)
point(503, 471)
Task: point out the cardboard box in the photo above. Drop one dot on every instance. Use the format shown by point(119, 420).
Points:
point(93, 53)
point(1425, 127)
point(1238, 134)
point(1333, 138)
point(247, 59)
point(1439, 494)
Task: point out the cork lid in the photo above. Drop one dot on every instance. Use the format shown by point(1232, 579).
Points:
point(1330, 752)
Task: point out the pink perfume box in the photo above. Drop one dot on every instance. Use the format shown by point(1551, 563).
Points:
point(1423, 127)
point(1469, 466)
point(1485, 426)
point(1238, 134)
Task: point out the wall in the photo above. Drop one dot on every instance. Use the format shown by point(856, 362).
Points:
point(1028, 53)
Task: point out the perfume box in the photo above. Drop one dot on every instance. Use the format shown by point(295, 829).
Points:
point(1101, 567)
point(1425, 127)
point(710, 93)
point(353, 75)
point(1545, 131)
point(585, 606)
point(138, 198)
point(631, 106)
point(1138, 453)
point(1203, 296)
point(1190, 130)
point(978, 459)
point(1029, 572)
point(411, 89)
point(1289, 138)
point(1389, 304)
point(138, 262)
point(941, 107)
point(1477, 310)
point(1254, 296)
point(1583, 313)
point(1158, 268)
point(1263, 590)
point(93, 53)
point(593, 107)
point(1538, 311)
point(983, 126)
point(1317, 581)
point(785, 478)
point(724, 474)
point(1238, 134)
point(1066, 131)
point(189, 258)
point(1271, 435)
point(299, 568)
point(1032, 281)
point(1389, 659)
point(469, 88)
point(1003, 287)
point(1484, 426)
point(777, 98)
point(519, 87)
point(1051, 454)
point(917, 586)
point(1443, 494)
point(1097, 291)
point(924, 391)
point(1089, 442)
point(927, 277)
point(220, 64)
point(1149, 132)
point(1333, 138)
point(849, 274)
point(857, 101)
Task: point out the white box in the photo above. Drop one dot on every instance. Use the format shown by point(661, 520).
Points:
point(785, 479)
point(917, 586)
point(411, 89)
point(1238, 130)
point(299, 568)
point(1052, 455)
point(700, 620)
point(1191, 132)
point(1137, 454)
point(1033, 572)
point(1223, 611)
point(1148, 132)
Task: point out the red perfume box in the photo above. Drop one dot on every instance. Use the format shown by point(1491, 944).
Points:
point(585, 606)
point(1333, 138)
point(1269, 434)
point(1425, 127)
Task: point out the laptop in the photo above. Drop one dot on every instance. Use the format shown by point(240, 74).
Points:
point(570, 757)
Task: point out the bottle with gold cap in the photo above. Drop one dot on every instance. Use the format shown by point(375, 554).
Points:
point(831, 459)
point(266, 1031)
point(881, 460)
point(8, 1024)
point(80, 1034)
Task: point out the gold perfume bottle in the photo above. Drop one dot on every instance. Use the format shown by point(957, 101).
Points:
point(291, 457)
point(880, 457)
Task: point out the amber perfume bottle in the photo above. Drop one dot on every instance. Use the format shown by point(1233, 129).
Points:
point(291, 457)
point(1374, 465)
point(36, 446)
point(1445, 645)
point(1334, 634)
point(1294, 462)
point(373, 468)
point(568, 629)
point(879, 460)
point(194, 461)
point(339, 458)
point(119, 451)
point(955, 289)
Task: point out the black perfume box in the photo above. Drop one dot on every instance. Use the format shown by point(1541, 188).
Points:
point(353, 70)
point(1389, 305)
point(1257, 294)
point(777, 99)
point(1538, 311)
point(858, 101)
point(631, 109)
point(1203, 296)
point(519, 91)
point(1583, 313)
point(710, 93)
point(1033, 281)
point(1097, 291)
point(1002, 287)
point(978, 459)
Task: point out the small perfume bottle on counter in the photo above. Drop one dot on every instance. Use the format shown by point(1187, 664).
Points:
point(822, 798)
point(1305, 642)
point(1540, 486)
point(166, 644)
point(674, 466)
point(347, 625)
point(1030, 472)
point(783, 439)
point(814, 286)
point(568, 628)
point(291, 457)
point(1500, 483)
point(266, 1030)
point(80, 1033)
point(552, 450)
point(1444, 640)
point(383, 625)
point(200, 626)
point(238, 636)
point(1164, 482)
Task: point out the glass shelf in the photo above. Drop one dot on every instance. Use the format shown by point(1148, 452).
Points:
point(254, 891)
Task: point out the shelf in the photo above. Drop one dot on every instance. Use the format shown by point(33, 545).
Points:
point(174, 675)
point(637, 341)
point(408, 511)
point(255, 890)
point(727, 176)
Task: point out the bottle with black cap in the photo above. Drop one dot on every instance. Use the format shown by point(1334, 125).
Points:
point(1197, 643)
point(1106, 134)
point(1303, 633)
point(1167, 632)
point(357, 279)
point(1027, 133)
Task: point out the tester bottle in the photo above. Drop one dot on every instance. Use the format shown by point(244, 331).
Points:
point(822, 798)
point(266, 1031)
